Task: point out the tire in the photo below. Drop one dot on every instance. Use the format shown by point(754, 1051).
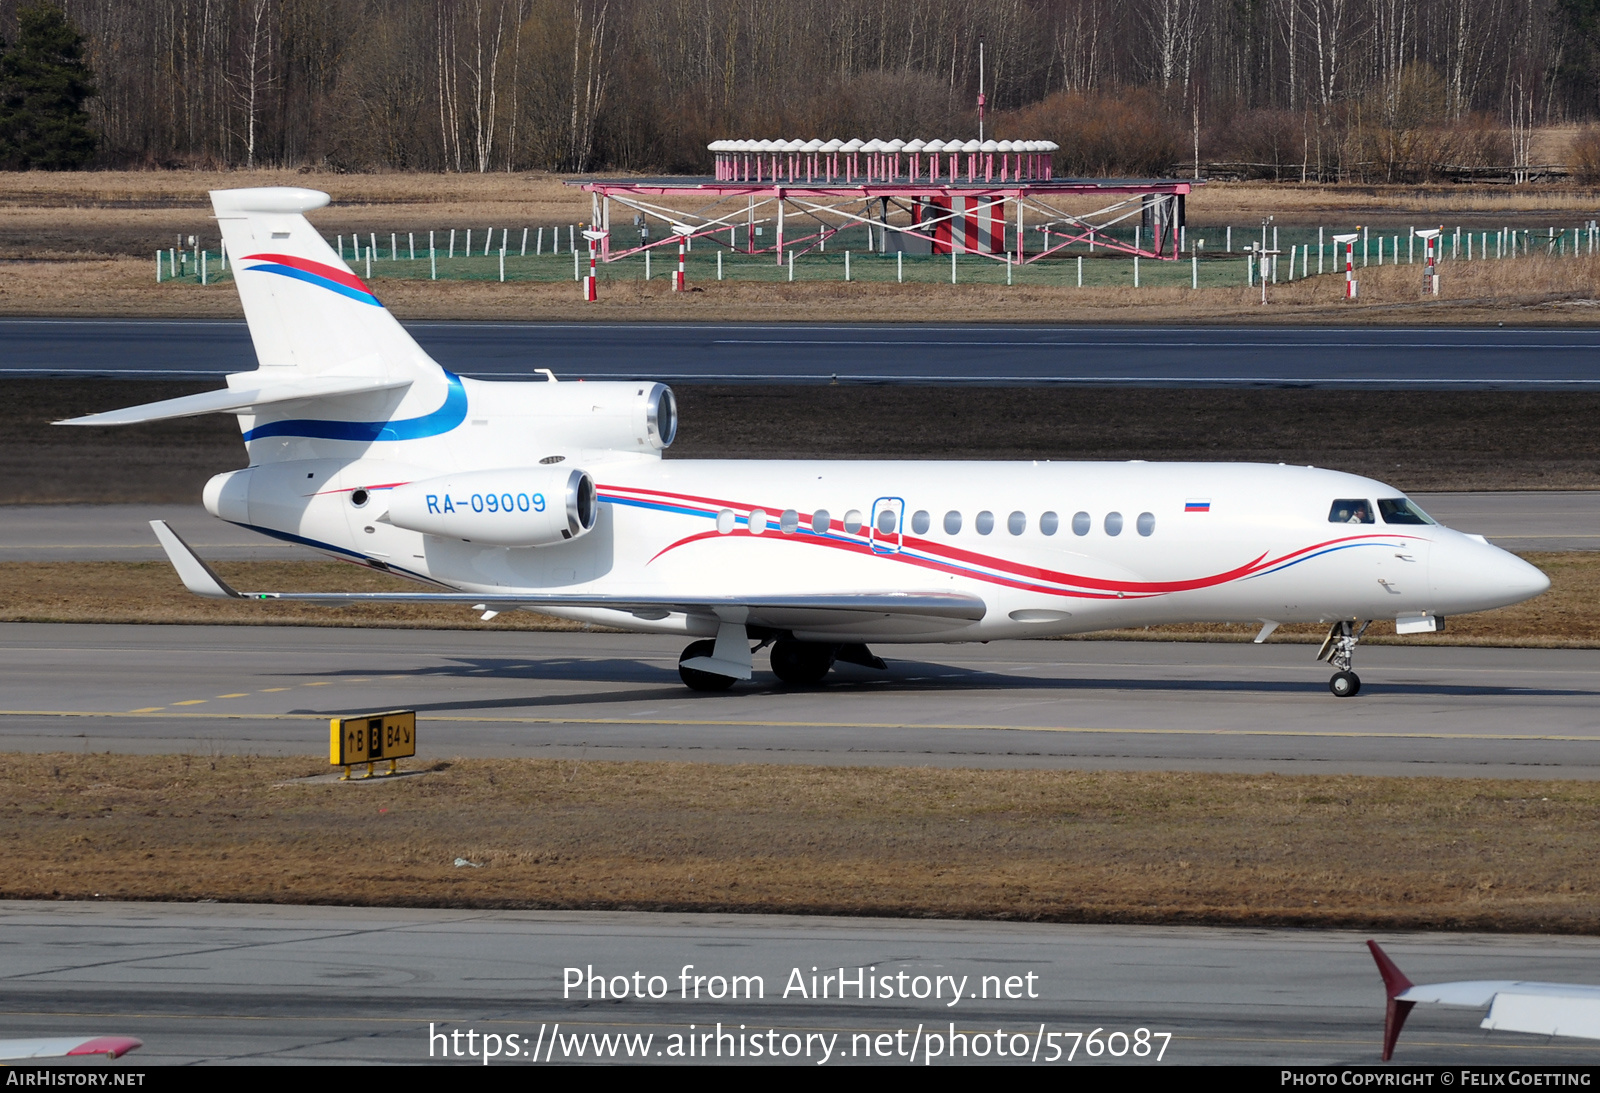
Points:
point(697, 680)
point(801, 663)
point(1345, 684)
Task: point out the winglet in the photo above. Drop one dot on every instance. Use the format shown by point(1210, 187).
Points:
point(1395, 984)
point(197, 577)
point(112, 1047)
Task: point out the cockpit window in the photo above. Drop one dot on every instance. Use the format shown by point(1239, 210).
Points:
point(1403, 510)
point(1351, 510)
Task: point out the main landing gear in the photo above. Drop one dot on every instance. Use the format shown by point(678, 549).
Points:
point(797, 663)
point(1339, 649)
point(694, 678)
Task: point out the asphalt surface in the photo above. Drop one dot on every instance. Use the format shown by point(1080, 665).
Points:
point(1366, 357)
point(220, 983)
point(1120, 705)
point(95, 533)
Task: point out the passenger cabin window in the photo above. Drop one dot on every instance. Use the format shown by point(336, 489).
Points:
point(758, 521)
point(1113, 523)
point(1402, 510)
point(1048, 523)
point(1080, 523)
point(852, 521)
point(920, 522)
point(1146, 523)
point(984, 522)
point(726, 521)
point(887, 519)
point(1350, 510)
point(820, 521)
point(1017, 523)
point(789, 522)
point(952, 523)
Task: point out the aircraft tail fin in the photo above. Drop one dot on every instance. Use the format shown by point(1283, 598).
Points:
point(308, 312)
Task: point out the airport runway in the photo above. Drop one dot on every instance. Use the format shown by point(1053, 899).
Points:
point(1568, 520)
point(1059, 704)
point(240, 984)
point(1364, 357)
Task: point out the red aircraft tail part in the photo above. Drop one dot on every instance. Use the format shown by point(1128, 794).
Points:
point(1394, 983)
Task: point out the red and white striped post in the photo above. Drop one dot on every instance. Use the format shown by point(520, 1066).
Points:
point(1430, 269)
point(683, 232)
point(591, 282)
point(1351, 285)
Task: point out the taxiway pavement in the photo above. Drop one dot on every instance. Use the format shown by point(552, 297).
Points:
point(1336, 357)
point(1124, 705)
point(215, 983)
point(1554, 520)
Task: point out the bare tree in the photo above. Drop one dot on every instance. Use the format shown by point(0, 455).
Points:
point(590, 74)
point(255, 75)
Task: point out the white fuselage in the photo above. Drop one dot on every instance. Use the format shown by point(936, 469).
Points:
point(1038, 542)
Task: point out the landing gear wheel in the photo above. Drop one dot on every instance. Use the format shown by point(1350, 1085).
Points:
point(697, 680)
point(801, 663)
point(1344, 684)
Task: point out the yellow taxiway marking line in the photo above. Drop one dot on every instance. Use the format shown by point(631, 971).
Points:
point(318, 683)
point(148, 709)
point(272, 690)
point(190, 702)
point(738, 724)
point(241, 694)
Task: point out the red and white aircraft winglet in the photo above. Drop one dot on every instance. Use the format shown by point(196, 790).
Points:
point(1547, 1009)
point(56, 1047)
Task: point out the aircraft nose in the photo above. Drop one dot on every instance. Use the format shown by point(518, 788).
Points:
point(1478, 576)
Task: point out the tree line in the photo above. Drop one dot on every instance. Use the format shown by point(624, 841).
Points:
point(1331, 88)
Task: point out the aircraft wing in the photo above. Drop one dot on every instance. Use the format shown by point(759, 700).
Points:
point(240, 400)
point(56, 1047)
point(1546, 1009)
point(202, 580)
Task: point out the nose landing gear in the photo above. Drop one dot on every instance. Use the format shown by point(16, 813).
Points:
point(1339, 649)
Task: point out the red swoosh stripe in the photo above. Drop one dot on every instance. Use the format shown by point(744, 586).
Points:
point(1011, 574)
point(305, 265)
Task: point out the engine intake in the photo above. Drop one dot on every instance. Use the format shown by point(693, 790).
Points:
point(522, 507)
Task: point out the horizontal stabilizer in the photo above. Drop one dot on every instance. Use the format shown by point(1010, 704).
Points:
point(200, 579)
point(1547, 1009)
point(241, 400)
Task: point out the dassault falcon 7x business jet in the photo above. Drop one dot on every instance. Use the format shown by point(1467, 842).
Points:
point(554, 496)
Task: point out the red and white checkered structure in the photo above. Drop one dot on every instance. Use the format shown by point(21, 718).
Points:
point(857, 161)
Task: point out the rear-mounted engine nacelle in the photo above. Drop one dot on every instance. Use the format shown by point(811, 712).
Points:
point(514, 508)
point(622, 417)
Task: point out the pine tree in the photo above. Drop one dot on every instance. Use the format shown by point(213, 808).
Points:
point(43, 84)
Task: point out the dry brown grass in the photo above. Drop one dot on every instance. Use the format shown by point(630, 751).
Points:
point(1050, 845)
point(79, 244)
point(150, 592)
point(1568, 616)
point(1534, 290)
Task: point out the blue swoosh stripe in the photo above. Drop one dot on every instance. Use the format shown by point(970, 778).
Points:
point(1318, 554)
point(452, 413)
point(320, 282)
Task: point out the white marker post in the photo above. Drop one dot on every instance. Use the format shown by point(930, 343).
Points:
point(1430, 272)
point(1269, 269)
point(1350, 284)
point(590, 293)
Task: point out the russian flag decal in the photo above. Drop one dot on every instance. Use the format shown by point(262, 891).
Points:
point(1197, 504)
